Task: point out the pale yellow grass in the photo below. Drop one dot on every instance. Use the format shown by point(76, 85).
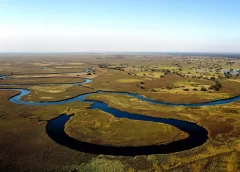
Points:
point(46, 98)
point(49, 75)
point(235, 80)
point(189, 84)
point(149, 74)
point(51, 89)
point(213, 95)
point(66, 67)
point(55, 63)
point(128, 80)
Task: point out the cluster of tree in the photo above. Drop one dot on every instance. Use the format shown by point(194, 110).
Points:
point(109, 66)
point(216, 86)
point(228, 74)
point(104, 65)
point(166, 71)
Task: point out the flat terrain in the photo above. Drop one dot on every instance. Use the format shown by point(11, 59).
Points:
point(98, 127)
point(25, 145)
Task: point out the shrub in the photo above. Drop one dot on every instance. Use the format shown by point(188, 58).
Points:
point(203, 89)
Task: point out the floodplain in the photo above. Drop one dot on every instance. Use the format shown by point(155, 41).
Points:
point(180, 79)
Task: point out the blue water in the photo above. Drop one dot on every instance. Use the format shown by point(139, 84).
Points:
point(55, 127)
point(197, 136)
point(3, 77)
point(17, 99)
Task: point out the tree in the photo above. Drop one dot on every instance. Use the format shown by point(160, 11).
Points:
point(216, 86)
point(203, 89)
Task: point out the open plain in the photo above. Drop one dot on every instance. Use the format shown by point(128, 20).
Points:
point(175, 79)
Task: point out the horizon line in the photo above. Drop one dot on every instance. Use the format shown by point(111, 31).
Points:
point(193, 52)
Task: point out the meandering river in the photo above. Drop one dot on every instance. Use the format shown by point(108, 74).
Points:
point(55, 127)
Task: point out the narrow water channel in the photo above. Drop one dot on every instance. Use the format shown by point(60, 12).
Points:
point(55, 127)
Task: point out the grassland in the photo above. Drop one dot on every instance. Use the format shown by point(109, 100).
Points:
point(25, 145)
point(99, 127)
point(55, 93)
point(169, 88)
point(224, 134)
point(134, 105)
point(33, 81)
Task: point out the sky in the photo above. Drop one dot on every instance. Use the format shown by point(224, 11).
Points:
point(120, 25)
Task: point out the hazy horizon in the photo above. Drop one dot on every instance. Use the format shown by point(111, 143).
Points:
point(109, 26)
